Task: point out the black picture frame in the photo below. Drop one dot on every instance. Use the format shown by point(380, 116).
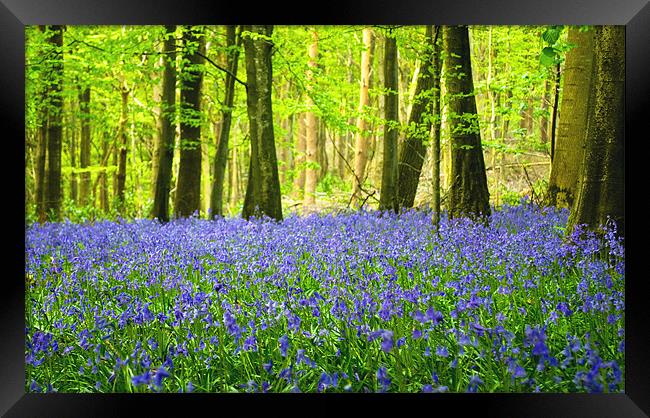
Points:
point(16, 14)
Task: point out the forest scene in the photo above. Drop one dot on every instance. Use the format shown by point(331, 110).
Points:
point(374, 208)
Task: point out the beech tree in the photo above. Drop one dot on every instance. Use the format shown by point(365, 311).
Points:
point(388, 197)
point(413, 151)
point(362, 137)
point(53, 193)
point(468, 194)
point(263, 188)
point(166, 123)
point(569, 143)
point(311, 128)
point(188, 189)
point(233, 42)
point(601, 185)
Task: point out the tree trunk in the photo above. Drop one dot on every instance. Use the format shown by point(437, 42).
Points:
point(121, 165)
point(233, 183)
point(601, 191)
point(188, 192)
point(54, 126)
point(543, 120)
point(569, 144)
point(103, 180)
point(468, 195)
point(311, 126)
point(41, 157)
point(72, 132)
point(299, 166)
point(263, 189)
point(362, 138)
point(435, 145)
point(388, 196)
point(84, 156)
point(413, 151)
point(233, 42)
point(158, 112)
point(165, 156)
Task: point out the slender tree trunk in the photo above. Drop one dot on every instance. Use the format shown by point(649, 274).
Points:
point(263, 189)
point(165, 156)
point(362, 138)
point(158, 112)
point(84, 157)
point(54, 126)
point(233, 184)
point(435, 144)
point(388, 197)
point(299, 167)
point(413, 150)
point(601, 191)
point(72, 131)
point(311, 126)
point(188, 193)
point(40, 161)
point(555, 108)
point(323, 158)
point(569, 145)
point(121, 168)
point(468, 195)
point(233, 42)
point(103, 180)
point(543, 120)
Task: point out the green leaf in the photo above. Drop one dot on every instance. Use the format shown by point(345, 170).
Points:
point(548, 57)
point(551, 35)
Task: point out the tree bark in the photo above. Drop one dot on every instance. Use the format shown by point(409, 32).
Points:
point(413, 150)
point(72, 132)
point(569, 144)
point(435, 144)
point(311, 127)
point(233, 42)
point(388, 196)
point(165, 156)
point(601, 191)
point(299, 166)
point(362, 137)
point(121, 165)
point(41, 156)
point(103, 179)
point(468, 195)
point(84, 155)
point(263, 189)
point(52, 203)
point(188, 192)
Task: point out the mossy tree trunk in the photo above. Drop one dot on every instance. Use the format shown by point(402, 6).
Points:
point(601, 185)
point(468, 194)
point(188, 191)
point(569, 144)
point(388, 196)
point(263, 189)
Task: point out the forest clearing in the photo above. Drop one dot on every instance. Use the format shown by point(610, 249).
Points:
point(324, 208)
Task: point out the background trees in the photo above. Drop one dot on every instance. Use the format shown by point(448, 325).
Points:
point(344, 110)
